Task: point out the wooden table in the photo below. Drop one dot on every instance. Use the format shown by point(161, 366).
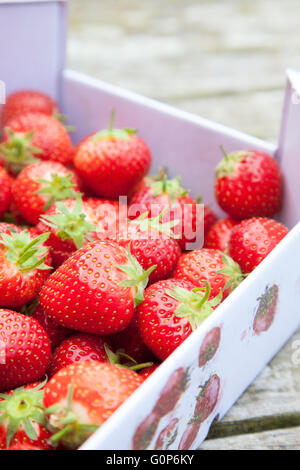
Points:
point(224, 60)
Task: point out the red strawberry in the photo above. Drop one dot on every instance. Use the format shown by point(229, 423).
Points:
point(209, 346)
point(208, 265)
point(31, 136)
point(252, 240)
point(96, 289)
point(24, 265)
point(248, 184)
point(145, 432)
point(210, 219)
point(39, 185)
point(169, 197)
point(145, 373)
point(151, 242)
point(110, 215)
point(171, 310)
point(130, 341)
point(112, 161)
point(5, 194)
point(71, 224)
point(23, 420)
point(219, 234)
point(25, 101)
point(55, 332)
point(79, 347)
point(81, 397)
point(25, 350)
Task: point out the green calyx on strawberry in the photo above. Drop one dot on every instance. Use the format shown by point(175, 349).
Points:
point(21, 409)
point(139, 277)
point(58, 188)
point(155, 223)
point(194, 304)
point(70, 225)
point(23, 251)
point(64, 423)
point(116, 360)
point(18, 150)
point(112, 133)
point(227, 165)
point(172, 187)
point(233, 271)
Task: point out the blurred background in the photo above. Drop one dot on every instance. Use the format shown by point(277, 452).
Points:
point(222, 59)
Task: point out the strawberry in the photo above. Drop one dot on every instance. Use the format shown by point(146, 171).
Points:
point(209, 346)
point(71, 224)
point(145, 432)
point(23, 420)
point(266, 310)
point(39, 185)
point(112, 161)
point(25, 101)
point(24, 265)
point(169, 197)
point(55, 332)
point(31, 136)
point(96, 289)
point(145, 373)
point(253, 239)
point(81, 397)
point(219, 234)
point(6, 190)
point(208, 265)
point(171, 310)
point(79, 347)
point(131, 343)
point(151, 242)
point(210, 219)
point(248, 184)
point(26, 350)
point(167, 436)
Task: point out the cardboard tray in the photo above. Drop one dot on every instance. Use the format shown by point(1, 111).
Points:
point(190, 146)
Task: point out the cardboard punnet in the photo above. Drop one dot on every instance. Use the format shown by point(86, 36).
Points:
point(191, 389)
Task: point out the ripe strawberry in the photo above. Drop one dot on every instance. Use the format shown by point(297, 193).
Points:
point(145, 373)
point(55, 332)
point(171, 310)
point(71, 224)
point(210, 219)
point(266, 310)
point(208, 265)
point(253, 239)
point(31, 136)
point(219, 234)
point(248, 184)
point(80, 347)
point(169, 197)
point(81, 397)
point(25, 352)
point(167, 436)
point(151, 242)
point(130, 341)
point(112, 161)
point(39, 185)
point(145, 432)
point(25, 101)
point(23, 420)
point(5, 194)
point(96, 289)
point(110, 216)
point(209, 346)
point(24, 265)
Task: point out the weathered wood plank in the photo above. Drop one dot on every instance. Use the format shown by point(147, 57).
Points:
point(281, 439)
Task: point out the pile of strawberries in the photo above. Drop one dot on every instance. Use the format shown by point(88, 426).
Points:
point(95, 293)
